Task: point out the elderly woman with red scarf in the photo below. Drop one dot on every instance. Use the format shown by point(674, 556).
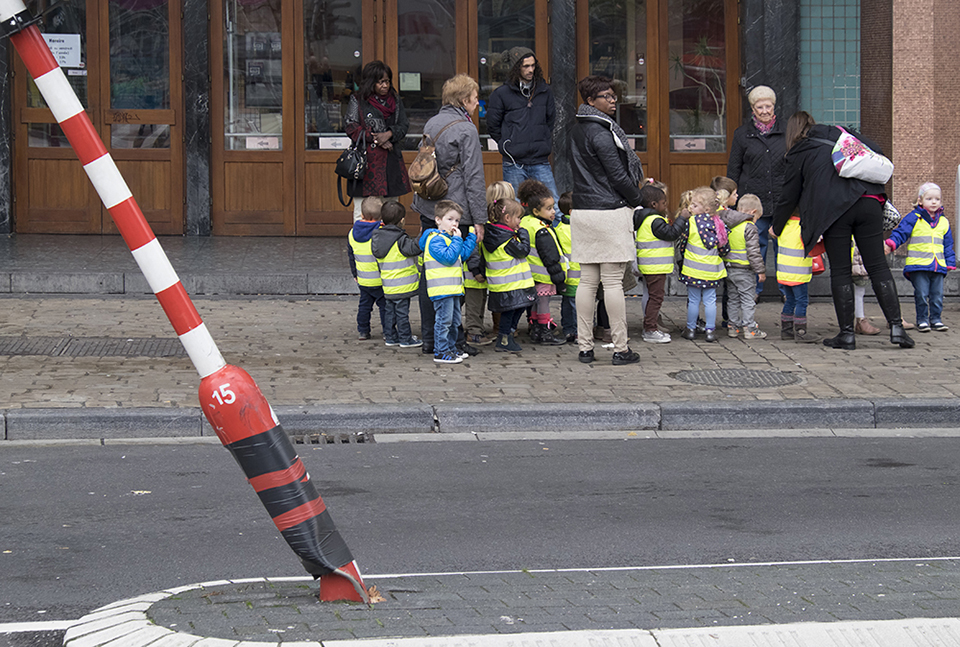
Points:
point(377, 110)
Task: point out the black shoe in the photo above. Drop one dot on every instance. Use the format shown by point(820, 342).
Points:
point(689, 333)
point(710, 335)
point(843, 341)
point(363, 336)
point(586, 356)
point(507, 344)
point(899, 336)
point(472, 351)
point(626, 357)
point(427, 350)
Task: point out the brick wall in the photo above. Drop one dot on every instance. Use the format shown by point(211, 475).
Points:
point(876, 71)
point(925, 91)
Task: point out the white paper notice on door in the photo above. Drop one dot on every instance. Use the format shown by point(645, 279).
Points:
point(65, 48)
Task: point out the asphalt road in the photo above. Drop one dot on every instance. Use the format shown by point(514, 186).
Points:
point(86, 526)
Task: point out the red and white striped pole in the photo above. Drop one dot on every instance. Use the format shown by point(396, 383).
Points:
point(231, 400)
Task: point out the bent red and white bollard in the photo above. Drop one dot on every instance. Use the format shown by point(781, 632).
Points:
point(231, 400)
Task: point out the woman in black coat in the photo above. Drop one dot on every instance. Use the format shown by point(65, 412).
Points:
point(756, 157)
point(837, 208)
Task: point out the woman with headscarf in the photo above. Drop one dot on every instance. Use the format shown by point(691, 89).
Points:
point(837, 208)
point(376, 109)
point(756, 157)
point(606, 190)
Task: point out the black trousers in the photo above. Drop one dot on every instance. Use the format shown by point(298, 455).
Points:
point(864, 222)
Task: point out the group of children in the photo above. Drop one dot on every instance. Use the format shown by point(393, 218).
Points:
point(524, 259)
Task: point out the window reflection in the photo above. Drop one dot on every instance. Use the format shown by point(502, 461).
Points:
point(697, 61)
point(254, 80)
point(46, 136)
point(332, 47)
point(426, 58)
point(501, 26)
point(139, 54)
point(618, 49)
point(140, 136)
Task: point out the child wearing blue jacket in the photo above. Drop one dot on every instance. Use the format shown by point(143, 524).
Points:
point(443, 255)
point(926, 232)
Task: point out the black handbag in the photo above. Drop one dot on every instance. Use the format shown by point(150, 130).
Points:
point(352, 165)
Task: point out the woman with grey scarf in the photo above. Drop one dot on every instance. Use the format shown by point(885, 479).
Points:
point(606, 179)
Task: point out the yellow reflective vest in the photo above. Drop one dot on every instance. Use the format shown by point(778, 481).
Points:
point(442, 280)
point(738, 245)
point(654, 256)
point(698, 261)
point(368, 272)
point(400, 274)
point(566, 244)
point(468, 279)
point(925, 245)
point(533, 225)
point(506, 273)
point(794, 267)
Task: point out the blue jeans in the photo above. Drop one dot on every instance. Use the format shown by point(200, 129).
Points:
point(707, 296)
point(928, 289)
point(795, 300)
point(446, 325)
point(368, 297)
point(396, 327)
point(517, 173)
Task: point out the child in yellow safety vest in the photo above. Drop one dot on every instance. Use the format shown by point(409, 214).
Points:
point(509, 279)
point(568, 304)
point(744, 266)
point(443, 254)
point(654, 241)
point(545, 258)
point(930, 254)
point(363, 265)
point(703, 245)
point(794, 271)
point(397, 254)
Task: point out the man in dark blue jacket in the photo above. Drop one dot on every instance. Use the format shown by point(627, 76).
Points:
point(520, 118)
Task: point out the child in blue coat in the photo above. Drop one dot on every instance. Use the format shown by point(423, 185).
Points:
point(444, 252)
point(926, 232)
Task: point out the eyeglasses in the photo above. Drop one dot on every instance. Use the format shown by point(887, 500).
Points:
point(608, 97)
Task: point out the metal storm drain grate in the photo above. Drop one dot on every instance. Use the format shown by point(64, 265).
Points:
point(92, 346)
point(737, 377)
point(360, 438)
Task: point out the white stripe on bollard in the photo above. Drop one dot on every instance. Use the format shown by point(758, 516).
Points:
point(202, 350)
point(108, 182)
point(155, 266)
point(66, 104)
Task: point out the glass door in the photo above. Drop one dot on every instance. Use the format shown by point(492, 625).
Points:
point(120, 57)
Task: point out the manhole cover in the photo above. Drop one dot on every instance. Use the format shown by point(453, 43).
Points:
point(738, 378)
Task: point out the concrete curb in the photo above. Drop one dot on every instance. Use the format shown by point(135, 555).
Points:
point(448, 420)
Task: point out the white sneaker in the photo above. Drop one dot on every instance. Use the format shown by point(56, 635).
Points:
point(656, 337)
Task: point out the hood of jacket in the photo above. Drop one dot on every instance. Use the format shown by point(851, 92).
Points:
point(384, 239)
point(363, 230)
point(731, 218)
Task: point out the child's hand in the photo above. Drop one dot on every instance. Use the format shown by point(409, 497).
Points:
point(888, 247)
point(481, 279)
point(762, 276)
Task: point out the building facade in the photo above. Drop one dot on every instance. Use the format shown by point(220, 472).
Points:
point(225, 117)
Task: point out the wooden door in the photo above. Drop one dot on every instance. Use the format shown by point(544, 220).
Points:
point(122, 58)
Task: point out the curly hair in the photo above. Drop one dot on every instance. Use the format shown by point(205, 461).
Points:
point(532, 194)
point(514, 77)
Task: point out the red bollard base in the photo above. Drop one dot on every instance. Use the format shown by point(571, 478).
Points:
point(335, 587)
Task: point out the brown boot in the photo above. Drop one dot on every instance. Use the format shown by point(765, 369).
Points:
point(864, 327)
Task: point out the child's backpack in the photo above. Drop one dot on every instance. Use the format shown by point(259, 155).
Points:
point(425, 178)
